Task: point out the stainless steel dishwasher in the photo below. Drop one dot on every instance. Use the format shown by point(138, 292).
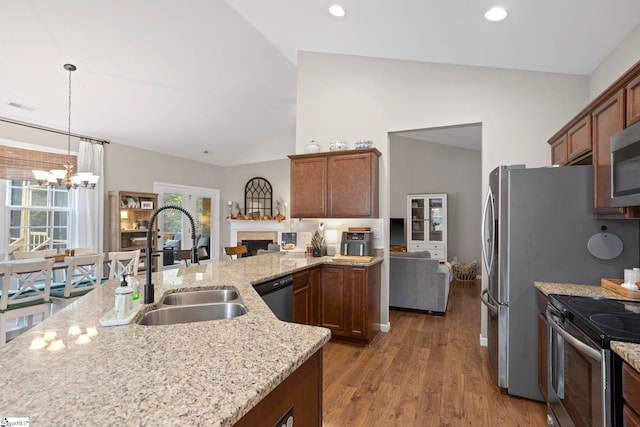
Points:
point(278, 294)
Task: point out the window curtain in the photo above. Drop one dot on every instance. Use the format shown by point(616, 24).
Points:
point(89, 204)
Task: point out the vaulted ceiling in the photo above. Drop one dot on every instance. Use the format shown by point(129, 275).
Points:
point(188, 77)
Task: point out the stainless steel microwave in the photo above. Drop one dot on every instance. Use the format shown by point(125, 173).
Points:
point(625, 167)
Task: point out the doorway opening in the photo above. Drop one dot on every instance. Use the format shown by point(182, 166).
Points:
point(204, 206)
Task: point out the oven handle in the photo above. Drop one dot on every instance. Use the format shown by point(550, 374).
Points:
point(582, 347)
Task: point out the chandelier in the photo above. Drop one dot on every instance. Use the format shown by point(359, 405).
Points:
point(65, 176)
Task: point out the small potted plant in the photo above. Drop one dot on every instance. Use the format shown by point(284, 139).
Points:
point(319, 247)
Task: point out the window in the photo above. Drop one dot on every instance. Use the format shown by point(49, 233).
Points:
point(36, 217)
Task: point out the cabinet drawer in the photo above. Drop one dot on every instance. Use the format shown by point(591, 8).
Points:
point(435, 246)
point(416, 247)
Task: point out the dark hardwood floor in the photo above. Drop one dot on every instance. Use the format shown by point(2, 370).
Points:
point(428, 371)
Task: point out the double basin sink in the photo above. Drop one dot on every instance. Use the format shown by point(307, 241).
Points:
point(196, 306)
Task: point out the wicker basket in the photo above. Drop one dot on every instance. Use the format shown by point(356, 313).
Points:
point(465, 272)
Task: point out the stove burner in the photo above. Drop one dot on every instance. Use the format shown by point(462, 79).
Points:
point(598, 305)
point(627, 324)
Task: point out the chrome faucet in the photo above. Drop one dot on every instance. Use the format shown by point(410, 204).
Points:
point(148, 286)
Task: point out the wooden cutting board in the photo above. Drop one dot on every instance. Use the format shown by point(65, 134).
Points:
point(351, 258)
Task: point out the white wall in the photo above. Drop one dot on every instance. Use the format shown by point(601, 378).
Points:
point(623, 57)
point(350, 97)
point(424, 167)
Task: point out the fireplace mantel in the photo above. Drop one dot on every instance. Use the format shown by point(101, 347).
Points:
point(256, 226)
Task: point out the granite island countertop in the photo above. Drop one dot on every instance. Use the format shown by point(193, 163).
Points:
point(629, 352)
point(202, 373)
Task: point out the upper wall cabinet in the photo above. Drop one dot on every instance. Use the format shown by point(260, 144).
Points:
point(337, 184)
point(607, 120)
point(632, 92)
point(586, 139)
point(579, 139)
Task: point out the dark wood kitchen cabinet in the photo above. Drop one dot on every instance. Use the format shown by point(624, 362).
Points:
point(338, 184)
point(607, 120)
point(632, 93)
point(543, 346)
point(300, 392)
point(631, 396)
point(349, 299)
point(579, 139)
point(308, 187)
point(559, 150)
point(305, 296)
point(573, 145)
point(586, 139)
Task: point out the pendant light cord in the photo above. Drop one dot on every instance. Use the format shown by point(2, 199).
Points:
point(69, 122)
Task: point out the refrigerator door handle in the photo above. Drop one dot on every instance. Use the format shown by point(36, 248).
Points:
point(488, 300)
point(484, 297)
point(488, 209)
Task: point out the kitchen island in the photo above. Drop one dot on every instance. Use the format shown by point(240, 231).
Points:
point(203, 373)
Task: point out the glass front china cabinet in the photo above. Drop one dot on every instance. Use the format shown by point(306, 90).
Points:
point(427, 224)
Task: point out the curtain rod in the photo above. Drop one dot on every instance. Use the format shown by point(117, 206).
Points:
point(29, 125)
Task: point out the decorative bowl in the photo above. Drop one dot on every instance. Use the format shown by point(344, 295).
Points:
point(311, 147)
point(337, 146)
point(363, 143)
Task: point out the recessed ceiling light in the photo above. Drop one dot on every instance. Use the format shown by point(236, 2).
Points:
point(337, 10)
point(496, 14)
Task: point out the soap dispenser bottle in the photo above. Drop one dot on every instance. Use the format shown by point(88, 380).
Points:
point(124, 298)
point(134, 284)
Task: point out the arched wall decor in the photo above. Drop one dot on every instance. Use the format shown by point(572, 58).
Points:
point(258, 197)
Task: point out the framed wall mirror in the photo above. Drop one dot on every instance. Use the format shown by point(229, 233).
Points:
point(258, 198)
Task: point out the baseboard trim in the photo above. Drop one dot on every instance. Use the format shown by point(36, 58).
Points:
point(483, 341)
point(385, 327)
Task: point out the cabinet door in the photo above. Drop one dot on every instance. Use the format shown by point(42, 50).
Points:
point(633, 101)
point(332, 295)
point(353, 185)
point(579, 139)
point(301, 298)
point(608, 119)
point(437, 220)
point(559, 151)
point(308, 187)
point(417, 227)
point(357, 301)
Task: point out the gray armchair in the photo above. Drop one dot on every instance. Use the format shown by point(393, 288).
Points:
point(418, 282)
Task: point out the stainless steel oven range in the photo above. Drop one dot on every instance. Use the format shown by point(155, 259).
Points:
point(583, 373)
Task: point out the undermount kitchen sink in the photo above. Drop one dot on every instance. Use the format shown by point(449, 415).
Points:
point(193, 313)
point(196, 306)
point(206, 296)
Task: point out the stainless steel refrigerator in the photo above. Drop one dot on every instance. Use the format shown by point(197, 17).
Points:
point(536, 226)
